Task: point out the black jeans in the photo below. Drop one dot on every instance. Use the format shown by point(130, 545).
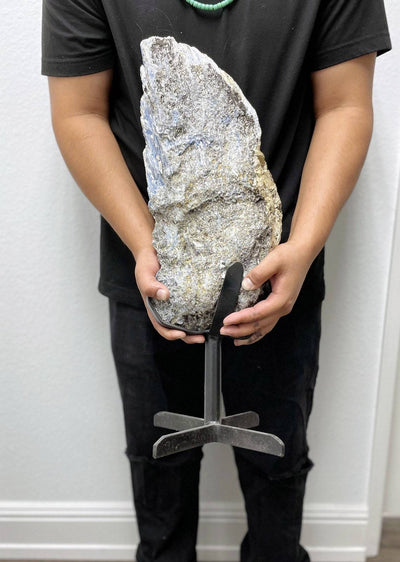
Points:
point(275, 377)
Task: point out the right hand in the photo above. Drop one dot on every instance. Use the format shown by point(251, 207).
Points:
point(147, 265)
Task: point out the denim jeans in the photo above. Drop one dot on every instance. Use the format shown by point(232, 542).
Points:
point(274, 376)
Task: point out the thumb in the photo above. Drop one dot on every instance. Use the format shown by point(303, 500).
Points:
point(150, 287)
point(161, 292)
point(260, 273)
point(155, 289)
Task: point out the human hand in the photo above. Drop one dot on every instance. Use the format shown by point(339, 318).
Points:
point(147, 265)
point(286, 267)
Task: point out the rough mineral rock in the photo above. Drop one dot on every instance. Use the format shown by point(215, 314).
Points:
point(211, 194)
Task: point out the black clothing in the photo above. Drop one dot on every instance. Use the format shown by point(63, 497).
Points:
point(274, 377)
point(269, 47)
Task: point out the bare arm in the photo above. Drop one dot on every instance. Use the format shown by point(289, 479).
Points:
point(79, 109)
point(344, 121)
point(344, 118)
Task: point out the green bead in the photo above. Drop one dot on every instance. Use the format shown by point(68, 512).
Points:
point(203, 6)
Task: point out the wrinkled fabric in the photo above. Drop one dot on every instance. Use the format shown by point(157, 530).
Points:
point(269, 48)
point(274, 377)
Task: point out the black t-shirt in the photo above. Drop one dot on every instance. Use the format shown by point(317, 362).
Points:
point(269, 47)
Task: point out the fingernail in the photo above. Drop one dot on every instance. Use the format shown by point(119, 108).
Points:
point(247, 284)
point(161, 295)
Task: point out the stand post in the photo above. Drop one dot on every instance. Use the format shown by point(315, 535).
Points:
point(212, 379)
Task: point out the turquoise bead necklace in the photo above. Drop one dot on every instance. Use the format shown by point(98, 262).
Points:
point(214, 10)
point(203, 6)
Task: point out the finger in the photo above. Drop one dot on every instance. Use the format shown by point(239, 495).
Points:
point(267, 267)
point(194, 339)
point(167, 333)
point(247, 315)
point(238, 330)
point(265, 308)
point(243, 330)
point(170, 334)
point(153, 288)
point(148, 283)
point(256, 336)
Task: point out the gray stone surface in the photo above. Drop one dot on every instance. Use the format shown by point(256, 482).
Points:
point(211, 194)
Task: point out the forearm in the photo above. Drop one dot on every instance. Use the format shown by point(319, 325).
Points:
point(336, 155)
point(94, 159)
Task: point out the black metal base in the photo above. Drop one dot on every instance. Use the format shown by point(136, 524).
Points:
point(231, 430)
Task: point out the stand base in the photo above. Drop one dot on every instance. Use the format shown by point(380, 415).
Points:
point(231, 430)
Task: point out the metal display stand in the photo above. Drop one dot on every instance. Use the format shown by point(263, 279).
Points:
point(231, 430)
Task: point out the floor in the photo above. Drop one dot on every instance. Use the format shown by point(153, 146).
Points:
point(390, 542)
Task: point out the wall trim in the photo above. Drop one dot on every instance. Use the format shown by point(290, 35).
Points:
point(107, 531)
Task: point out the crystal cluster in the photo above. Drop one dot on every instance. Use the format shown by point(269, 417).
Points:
point(211, 194)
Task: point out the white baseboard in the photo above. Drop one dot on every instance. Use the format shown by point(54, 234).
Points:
point(108, 531)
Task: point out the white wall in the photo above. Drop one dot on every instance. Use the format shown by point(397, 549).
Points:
point(65, 487)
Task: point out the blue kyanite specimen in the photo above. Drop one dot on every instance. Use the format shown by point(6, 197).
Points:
point(212, 197)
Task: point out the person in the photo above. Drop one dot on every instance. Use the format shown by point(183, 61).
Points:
point(307, 68)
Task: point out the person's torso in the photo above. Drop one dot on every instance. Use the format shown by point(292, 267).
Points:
point(262, 44)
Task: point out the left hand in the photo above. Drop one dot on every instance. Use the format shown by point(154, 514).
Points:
point(286, 267)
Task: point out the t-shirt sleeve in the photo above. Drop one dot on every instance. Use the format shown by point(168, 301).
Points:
point(345, 29)
point(76, 38)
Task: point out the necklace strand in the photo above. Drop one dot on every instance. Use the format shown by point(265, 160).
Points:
point(203, 6)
